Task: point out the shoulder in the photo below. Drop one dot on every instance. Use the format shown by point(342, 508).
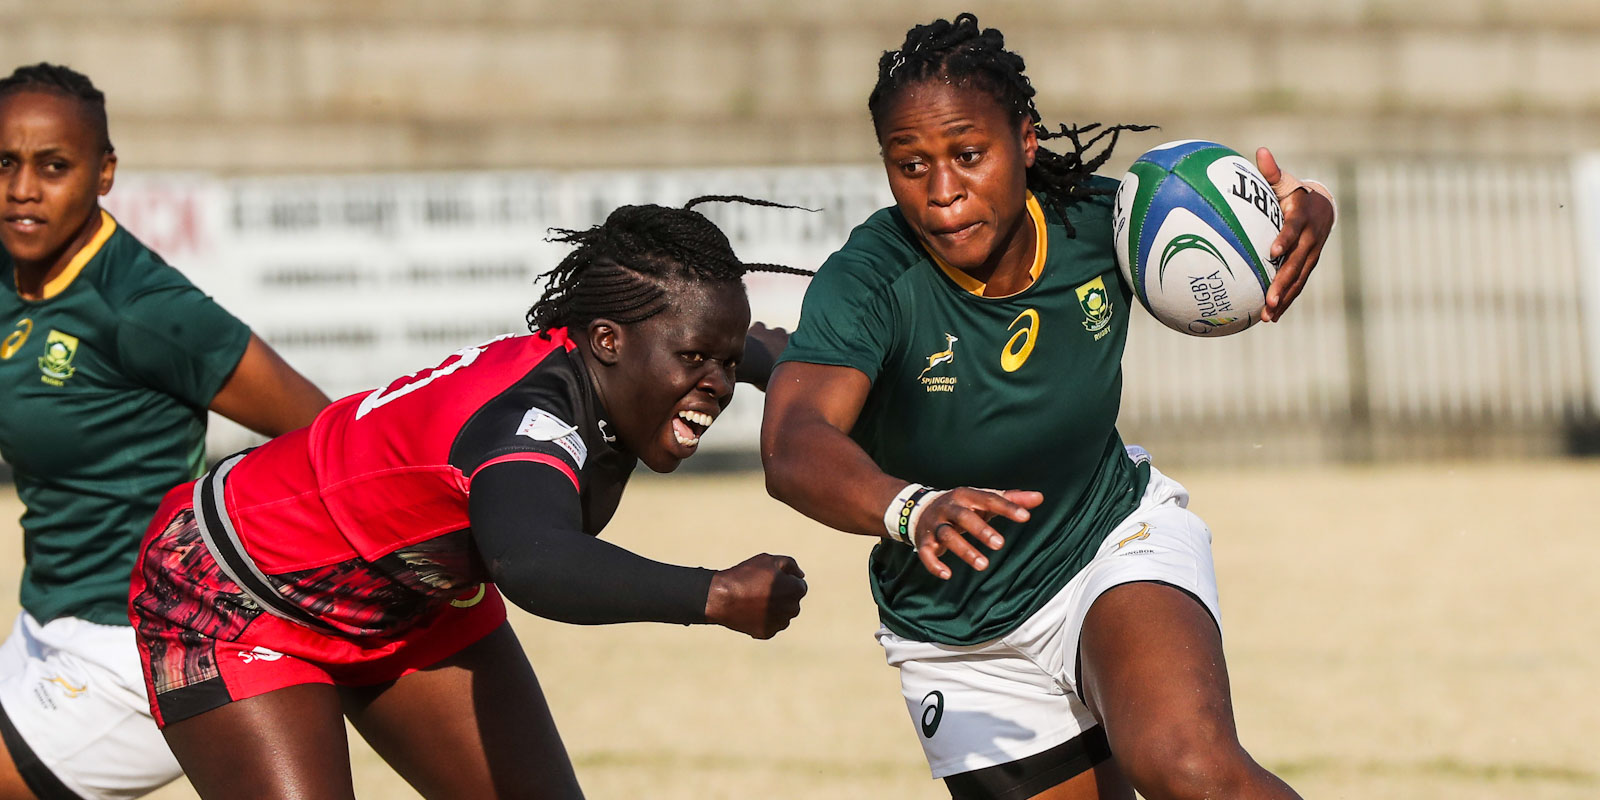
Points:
point(877, 253)
point(129, 271)
point(1091, 214)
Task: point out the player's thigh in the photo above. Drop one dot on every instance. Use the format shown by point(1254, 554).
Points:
point(287, 743)
point(475, 725)
point(1153, 673)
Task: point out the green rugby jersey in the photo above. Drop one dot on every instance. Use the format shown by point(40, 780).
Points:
point(105, 384)
point(1017, 392)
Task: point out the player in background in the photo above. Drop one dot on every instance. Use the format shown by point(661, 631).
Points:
point(1072, 647)
point(342, 569)
point(109, 362)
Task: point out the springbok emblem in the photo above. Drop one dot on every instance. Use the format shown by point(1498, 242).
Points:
point(943, 357)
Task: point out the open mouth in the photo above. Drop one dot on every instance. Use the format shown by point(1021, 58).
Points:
point(24, 224)
point(688, 426)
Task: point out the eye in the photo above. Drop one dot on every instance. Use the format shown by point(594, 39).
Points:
point(912, 168)
point(56, 166)
point(969, 156)
point(693, 357)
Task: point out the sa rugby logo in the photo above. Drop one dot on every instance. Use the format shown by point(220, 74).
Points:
point(56, 363)
point(1096, 304)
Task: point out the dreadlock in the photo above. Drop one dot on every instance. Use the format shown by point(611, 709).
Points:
point(65, 82)
point(964, 55)
point(622, 267)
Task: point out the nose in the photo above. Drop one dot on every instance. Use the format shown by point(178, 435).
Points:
point(22, 185)
point(717, 381)
point(944, 186)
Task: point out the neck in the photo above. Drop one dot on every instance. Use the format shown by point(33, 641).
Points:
point(1012, 269)
point(32, 276)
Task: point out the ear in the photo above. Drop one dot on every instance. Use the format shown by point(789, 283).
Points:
point(108, 173)
point(605, 341)
point(1030, 142)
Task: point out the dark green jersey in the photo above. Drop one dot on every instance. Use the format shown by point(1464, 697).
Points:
point(1017, 392)
point(105, 384)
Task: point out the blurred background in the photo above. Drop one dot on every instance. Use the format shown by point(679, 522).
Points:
point(1406, 569)
point(369, 183)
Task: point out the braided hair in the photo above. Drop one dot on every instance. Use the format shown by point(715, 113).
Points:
point(622, 268)
point(65, 82)
point(964, 55)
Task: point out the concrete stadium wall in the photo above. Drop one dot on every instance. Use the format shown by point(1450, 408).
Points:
point(251, 86)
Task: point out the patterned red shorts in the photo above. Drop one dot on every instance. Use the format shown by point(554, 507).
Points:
point(204, 643)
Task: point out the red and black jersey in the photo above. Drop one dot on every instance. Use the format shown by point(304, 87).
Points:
point(358, 523)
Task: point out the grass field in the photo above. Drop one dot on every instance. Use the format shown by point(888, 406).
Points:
point(1398, 632)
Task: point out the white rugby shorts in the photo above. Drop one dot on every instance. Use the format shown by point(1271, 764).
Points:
point(73, 690)
point(993, 703)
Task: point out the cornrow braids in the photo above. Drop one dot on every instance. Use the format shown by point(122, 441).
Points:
point(621, 269)
point(962, 54)
point(66, 82)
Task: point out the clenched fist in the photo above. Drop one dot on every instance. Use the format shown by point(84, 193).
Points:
point(758, 596)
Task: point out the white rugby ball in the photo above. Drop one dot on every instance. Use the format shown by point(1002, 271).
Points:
point(1194, 224)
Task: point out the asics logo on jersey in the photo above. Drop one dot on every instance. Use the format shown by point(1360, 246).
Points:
point(932, 714)
point(17, 339)
point(260, 653)
point(1021, 343)
point(1144, 533)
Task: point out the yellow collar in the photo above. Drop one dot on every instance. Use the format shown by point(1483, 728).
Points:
point(81, 259)
point(1041, 243)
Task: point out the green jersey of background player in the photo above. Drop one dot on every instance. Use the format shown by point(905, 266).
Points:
point(109, 362)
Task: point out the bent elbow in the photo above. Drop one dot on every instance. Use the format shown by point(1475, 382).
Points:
point(776, 470)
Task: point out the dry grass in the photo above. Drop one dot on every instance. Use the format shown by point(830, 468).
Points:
point(1400, 632)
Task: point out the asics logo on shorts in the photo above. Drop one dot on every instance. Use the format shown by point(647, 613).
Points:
point(260, 654)
point(932, 714)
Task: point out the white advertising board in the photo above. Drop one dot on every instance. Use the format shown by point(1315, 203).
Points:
point(359, 279)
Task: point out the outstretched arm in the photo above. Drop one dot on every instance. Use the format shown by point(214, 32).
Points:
point(815, 467)
point(267, 395)
point(527, 523)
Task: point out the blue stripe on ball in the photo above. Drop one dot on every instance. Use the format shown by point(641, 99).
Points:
point(1173, 193)
point(1168, 159)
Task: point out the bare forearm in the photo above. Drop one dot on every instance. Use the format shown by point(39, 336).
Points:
point(267, 395)
point(822, 473)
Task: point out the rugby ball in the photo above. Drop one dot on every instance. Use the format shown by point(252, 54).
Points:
point(1194, 224)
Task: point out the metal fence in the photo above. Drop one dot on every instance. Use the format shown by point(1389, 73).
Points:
point(1445, 320)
